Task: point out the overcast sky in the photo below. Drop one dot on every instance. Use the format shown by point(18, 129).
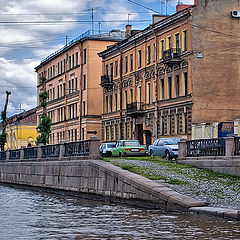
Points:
point(25, 40)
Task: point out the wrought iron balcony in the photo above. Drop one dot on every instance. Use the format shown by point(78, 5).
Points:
point(172, 56)
point(106, 81)
point(134, 109)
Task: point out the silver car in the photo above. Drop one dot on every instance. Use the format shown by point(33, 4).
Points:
point(165, 147)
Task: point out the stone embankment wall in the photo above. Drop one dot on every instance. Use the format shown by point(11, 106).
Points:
point(216, 164)
point(95, 177)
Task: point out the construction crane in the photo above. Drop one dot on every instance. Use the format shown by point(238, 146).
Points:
point(3, 135)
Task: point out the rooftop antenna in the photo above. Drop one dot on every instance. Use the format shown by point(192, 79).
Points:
point(129, 14)
point(99, 27)
point(66, 40)
point(20, 108)
point(92, 9)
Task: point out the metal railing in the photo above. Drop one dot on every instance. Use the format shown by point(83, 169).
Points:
point(2, 155)
point(172, 53)
point(206, 147)
point(14, 154)
point(76, 148)
point(30, 152)
point(237, 145)
point(50, 151)
point(106, 81)
point(134, 107)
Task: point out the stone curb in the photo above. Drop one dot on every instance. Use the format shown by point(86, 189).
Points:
point(218, 212)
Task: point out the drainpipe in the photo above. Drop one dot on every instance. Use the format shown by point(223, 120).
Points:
point(121, 87)
point(80, 89)
point(156, 86)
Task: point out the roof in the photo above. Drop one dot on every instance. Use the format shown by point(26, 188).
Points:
point(114, 35)
point(147, 31)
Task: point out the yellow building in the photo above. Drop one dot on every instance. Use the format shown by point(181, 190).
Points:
point(22, 130)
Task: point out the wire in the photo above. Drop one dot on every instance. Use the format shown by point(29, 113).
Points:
point(143, 6)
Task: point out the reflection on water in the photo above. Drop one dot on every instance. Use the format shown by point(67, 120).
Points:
point(34, 215)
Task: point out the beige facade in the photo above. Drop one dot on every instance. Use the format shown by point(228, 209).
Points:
point(179, 71)
point(73, 83)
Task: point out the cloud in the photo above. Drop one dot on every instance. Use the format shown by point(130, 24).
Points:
point(19, 78)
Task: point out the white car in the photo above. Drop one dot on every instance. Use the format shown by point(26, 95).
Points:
point(105, 149)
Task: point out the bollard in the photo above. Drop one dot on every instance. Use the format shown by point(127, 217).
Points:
point(94, 147)
point(182, 149)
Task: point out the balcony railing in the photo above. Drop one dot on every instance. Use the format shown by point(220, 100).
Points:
point(172, 56)
point(134, 107)
point(106, 81)
point(206, 147)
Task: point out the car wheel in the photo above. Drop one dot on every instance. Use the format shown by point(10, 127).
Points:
point(151, 153)
point(110, 154)
point(167, 155)
point(120, 154)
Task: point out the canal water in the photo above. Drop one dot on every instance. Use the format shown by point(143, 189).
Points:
point(38, 215)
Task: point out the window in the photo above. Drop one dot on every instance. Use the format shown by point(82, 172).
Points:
point(116, 69)
point(169, 87)
point(84, 56)
point(184, 40)
point(161, 49)
point(76, 84)
point(154, 52)
point(139, 94)
point(116, 102)
point(107, 70)
point(185, 83)
point(148, 54)
point(73, 63)
point(53, 70)
point(169, 42)
point(75, 134)
point(111, 71)
point(131, 62)
point(177, 41)
point(58, 68)
point(131, 95)
point(111, 104)
point(69, 86)
point(106, 105)
point(70, 62)
point(84, 108)
point(126, 98)
point(82, 138)
point(64, 65)
point(61, 67)
point(126, 64)
point(148, 93)
point(76, 58)
point(139, 59)
point(177, 85)
point(84, 82)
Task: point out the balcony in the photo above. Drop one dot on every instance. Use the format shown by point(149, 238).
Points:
point(135, 109)
point(106, 81)
point(172, 56)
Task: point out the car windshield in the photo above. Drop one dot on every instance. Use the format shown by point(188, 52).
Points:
point(131, 143)
point(111, 145)
point(171, 141)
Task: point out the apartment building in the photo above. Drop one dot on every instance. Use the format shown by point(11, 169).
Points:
point(181, 70)
point(73, 83)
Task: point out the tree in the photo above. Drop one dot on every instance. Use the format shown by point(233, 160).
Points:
point(44, 127)
point(3, 135)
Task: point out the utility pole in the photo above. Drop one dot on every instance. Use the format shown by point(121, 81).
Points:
point(3, 136)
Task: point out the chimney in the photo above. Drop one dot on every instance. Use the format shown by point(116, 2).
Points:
point(181, 7)
point(157, 18)
point(128, 31)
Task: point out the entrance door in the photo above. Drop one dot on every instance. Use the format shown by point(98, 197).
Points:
point(148, 135)
point(139, 132)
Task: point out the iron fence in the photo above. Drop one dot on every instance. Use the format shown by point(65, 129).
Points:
point(30, 152)
point(206, 147)
point(237, 146)
point(50, 151)
point(3, 155)
point(80, 148)
point(14, 154)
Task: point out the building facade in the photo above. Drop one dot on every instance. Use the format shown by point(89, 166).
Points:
point(181, 70)
point(22, 130)
point(73, 84)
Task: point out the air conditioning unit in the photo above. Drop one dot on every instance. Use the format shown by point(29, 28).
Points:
point(236, 14)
